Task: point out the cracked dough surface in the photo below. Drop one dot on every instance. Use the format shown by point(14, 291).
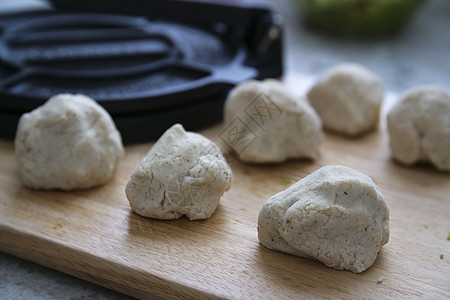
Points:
point(336, 215)
point(69, 143)
point(268, 124)
point(347, 98)
point(419, 127)
point(184, 173)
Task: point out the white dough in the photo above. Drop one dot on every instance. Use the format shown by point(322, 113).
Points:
point(271, 125)
point(69, 143)
point(347, 98)
point(184, 173)
point(419, 127)
point(336, 215)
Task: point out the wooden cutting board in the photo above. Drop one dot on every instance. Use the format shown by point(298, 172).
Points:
point(94, 235)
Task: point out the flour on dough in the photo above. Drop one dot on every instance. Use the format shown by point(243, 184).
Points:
point(184, 173)
point(347, 98)
point(419, 127)
point(264, 123)
point(336, 215)
point(69, 143)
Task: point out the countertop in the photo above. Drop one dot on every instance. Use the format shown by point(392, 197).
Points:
point(418, 55)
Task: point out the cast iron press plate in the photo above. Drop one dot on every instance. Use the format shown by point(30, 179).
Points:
point(147, 73)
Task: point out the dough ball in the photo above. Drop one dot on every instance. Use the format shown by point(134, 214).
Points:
point(347, 98)
point(419, 127)
point(336, 215)
point(69, 143)
point(264, 123)
point(184, 173)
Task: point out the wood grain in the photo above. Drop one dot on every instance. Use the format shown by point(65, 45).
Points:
point(94, 235)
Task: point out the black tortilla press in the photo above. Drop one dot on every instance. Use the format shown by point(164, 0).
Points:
point(150, 63)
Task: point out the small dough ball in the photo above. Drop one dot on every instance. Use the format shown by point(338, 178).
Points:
point(419, 127)
point(336, 215)
point(184, 173)
point(264, 123)
point(347, 98)
point(69, 143)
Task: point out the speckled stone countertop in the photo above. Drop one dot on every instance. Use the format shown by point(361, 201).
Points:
point(420, 54)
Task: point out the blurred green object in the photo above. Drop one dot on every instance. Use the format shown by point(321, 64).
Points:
point(358, 17)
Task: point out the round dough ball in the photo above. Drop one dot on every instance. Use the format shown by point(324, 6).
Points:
point(264, 123)
point(419, 127)
point(347, 98)
point(69, 143)
point(184, 173)
point(336, 215)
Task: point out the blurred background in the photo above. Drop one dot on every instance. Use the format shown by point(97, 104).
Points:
point(414, 54)
point(418, 53)
point(408, 55)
